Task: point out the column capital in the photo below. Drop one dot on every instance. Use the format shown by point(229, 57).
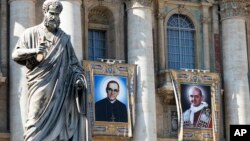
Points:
point(138, 3)
point(233, 8)
point(161, 16)
point(205, 20)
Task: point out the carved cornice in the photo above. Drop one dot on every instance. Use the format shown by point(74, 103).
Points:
point(138, 3)
point(233, 8)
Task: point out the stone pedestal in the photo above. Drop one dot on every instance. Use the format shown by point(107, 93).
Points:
point(22, 16)
point(71, 23)
point(235, 64)
point(140, 52)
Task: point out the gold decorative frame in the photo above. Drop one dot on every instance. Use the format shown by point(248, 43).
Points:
point(204, 79)
point(108, 129)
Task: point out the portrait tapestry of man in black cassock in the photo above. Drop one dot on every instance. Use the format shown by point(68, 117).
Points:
point(110, 108)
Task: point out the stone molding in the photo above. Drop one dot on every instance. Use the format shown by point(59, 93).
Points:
point(78, 1)
point(103, 2)
point(188, 3)
point(10, 1)
point(74, 1)
point(234, 8)
point(138, 3)
point(98, 16)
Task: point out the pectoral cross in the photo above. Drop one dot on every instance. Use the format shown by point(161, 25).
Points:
point(112, 118)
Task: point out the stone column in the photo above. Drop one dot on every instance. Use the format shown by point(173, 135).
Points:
point(237, 105)
point(205, 21)
point(22, 16)
point(71, 23)
point(140, 52)
point(162, 49)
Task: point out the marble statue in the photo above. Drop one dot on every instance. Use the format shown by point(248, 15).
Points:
point(55, 80)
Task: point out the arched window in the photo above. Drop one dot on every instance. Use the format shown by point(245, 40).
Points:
point(180, 42)
point(100, 33)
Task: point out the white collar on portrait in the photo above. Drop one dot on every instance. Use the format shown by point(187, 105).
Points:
point(194, 109)
point(112, 101)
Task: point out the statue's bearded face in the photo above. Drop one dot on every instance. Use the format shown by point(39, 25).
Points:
point(52, 19)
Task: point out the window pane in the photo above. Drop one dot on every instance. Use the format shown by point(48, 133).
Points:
point(96, 44)
point(180, 38)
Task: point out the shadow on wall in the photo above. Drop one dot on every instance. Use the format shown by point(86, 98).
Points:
point(140, 118)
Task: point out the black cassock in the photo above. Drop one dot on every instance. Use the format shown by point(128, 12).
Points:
point(113, 112)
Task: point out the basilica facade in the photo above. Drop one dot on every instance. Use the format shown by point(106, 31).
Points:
point(156, 35)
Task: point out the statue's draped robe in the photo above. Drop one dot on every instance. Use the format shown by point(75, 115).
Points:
point(51, 104)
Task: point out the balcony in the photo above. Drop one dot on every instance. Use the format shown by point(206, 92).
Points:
point(165, 87)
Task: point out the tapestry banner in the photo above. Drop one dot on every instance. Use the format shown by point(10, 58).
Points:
point(111, 99)
point(197, 96)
